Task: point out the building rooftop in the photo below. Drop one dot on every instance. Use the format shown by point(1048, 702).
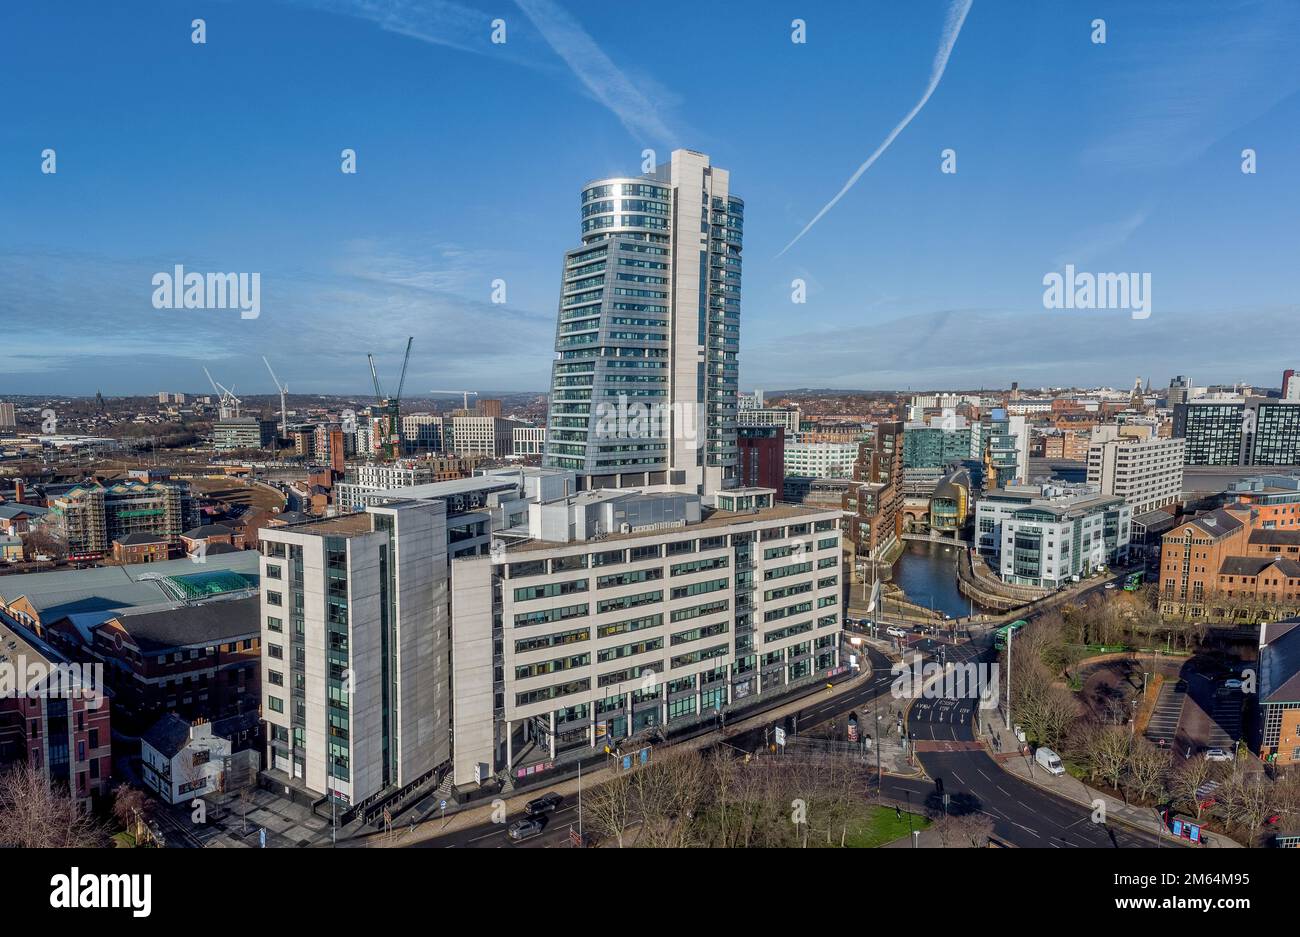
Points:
point(713, 520)
point(1255, 565)
point(344, 525)
point(184, 625)
point(136, 539)
point(66, 591)
point(1279, 662)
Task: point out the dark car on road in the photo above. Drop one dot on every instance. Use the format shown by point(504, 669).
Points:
point(524, 829)
point(544, 804)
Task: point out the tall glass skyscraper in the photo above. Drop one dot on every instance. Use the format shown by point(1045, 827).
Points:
point(644, 385)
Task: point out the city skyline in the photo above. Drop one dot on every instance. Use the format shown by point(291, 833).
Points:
point(1122, 156)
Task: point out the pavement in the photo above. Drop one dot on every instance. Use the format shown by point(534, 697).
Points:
point(484, 824)
point(1067, 787)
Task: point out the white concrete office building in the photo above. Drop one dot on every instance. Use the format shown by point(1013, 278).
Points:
point(1146, 473)
point(820, 459)
point(629, 612)
point(355, 682)
point(1045, 535)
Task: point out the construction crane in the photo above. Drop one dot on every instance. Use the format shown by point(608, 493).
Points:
point(387, 409)
point(284, 392)
point(228, 403)
point(464, 398)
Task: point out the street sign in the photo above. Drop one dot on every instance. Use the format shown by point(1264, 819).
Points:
point(780, 736)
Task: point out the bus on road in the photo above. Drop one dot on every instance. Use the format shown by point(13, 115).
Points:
point(1000, 636)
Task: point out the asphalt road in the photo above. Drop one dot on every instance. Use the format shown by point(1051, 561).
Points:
point(1023, 814)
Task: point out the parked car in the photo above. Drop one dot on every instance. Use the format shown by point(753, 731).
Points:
point(544, 804)
point(1217, 754)
point(1232, 683)
point(524, 829)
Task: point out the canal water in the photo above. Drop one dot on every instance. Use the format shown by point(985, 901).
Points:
point(927, 573)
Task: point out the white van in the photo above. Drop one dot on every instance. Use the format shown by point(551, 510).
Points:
point(1049, 760)
point(895, 632)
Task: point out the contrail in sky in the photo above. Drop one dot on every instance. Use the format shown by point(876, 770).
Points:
point(951, 29)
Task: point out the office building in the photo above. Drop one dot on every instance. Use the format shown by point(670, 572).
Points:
point(481, 435)
point(628, 612)
point(488, 407)
point(644, 386)
point(528, 440)
point(941, 441)
point(243, 432)
point(1278, 697)
point(1146, 473)
point(424, 432)
point(1180, 391)
point(1234, 430)
point(354, 621)
point(1046, 535)
point(820, 459)
point(1290, 386)
point(8, 419)
point(1005, 439)
point(788, 418)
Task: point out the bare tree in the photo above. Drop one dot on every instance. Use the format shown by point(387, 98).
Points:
point(131, 808)
point(1109, 755)
point(607, 810)
point(1188, 780)
point(1147, 769)
point(1247, 801)
point(34, 814)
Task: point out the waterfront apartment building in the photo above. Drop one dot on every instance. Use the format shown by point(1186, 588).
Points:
point(1146, 473)
point(644, 385)
point(631, 612)
point(1045, 535)
point(354, 630)
point(1236, 430)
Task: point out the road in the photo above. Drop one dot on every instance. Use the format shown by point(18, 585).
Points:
point(1023, 814)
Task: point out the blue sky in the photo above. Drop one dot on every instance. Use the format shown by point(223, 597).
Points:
point(225, 157)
